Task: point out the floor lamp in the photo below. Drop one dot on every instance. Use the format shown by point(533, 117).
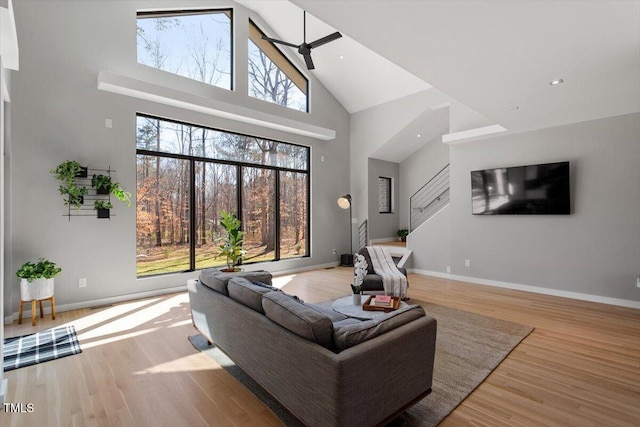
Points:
point(345, 203)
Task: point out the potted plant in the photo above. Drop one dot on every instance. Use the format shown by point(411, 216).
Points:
point(65, 173)
point(37, 279)
point(102, 207)
point(402, 234)
point(231, 246)
point(104, 185)
point(359, 271)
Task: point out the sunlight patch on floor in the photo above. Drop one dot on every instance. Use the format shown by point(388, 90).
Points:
point(191, 363)
point(111, 324)
point(281, 281)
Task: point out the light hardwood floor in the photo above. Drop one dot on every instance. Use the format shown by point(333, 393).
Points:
point(580, 367)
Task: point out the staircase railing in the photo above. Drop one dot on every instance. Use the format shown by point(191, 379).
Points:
point(363, 235)
point(429, 199)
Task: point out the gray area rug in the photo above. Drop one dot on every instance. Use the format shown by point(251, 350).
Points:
point(468, 348)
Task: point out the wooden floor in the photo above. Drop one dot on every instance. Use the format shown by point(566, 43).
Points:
point(580, 367)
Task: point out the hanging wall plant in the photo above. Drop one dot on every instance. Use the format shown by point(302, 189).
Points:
point(65, 173)
point(102, 184)
point(102, 208)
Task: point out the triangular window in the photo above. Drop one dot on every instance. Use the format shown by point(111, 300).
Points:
point(272, 77)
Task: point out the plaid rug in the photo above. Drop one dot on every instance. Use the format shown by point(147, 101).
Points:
point(28, 350)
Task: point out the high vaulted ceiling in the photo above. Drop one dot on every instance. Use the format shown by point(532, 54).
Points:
point(496, 57)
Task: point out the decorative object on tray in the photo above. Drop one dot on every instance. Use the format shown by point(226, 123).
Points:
point(359, 270)
point(382, 301)
point(370, 305)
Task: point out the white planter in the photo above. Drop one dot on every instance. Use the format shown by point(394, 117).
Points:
point(357, 299)
point(36, 289)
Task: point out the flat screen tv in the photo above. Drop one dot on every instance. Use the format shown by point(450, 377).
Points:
point(522, 190)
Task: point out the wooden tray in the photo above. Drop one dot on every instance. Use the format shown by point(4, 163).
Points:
point(368, 307)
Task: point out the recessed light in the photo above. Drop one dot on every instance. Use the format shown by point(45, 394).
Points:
point(341, 56)
point(556, 82)
point(419, 135)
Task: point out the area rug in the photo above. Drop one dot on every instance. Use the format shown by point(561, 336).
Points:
point(41, 347)
point(468, 348)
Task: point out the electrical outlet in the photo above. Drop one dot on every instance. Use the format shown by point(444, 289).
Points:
point(448, 269)
point(335, 252)
point(638, 281)
point(467, 263)
point(82, 282)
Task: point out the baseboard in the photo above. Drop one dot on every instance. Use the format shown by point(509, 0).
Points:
point(533, 289)
point(303, 269)
point(26, 314)
point(128, 297)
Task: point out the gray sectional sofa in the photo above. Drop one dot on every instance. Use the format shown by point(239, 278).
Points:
point(326, 368)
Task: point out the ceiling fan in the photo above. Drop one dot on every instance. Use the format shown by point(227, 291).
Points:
point(304, 49)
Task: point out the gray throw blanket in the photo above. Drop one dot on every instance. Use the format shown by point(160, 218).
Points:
point(394, 282)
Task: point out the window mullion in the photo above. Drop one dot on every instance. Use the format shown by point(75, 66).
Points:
point(192, 215)
point(277, 215)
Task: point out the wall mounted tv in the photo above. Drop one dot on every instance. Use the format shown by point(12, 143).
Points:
point(522, 190)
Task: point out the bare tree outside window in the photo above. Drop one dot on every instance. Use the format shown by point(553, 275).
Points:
point(178, 163)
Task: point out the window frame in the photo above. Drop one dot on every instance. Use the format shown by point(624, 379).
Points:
point(288, 64)
point(389, 198)
point(239, 193)
point(150, 14)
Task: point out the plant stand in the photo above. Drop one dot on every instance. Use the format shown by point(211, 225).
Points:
point(51, 299)
point(38, 290)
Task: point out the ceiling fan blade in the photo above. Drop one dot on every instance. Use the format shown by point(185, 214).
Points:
point(309, 61)
point(278, 41)
point(325, 40)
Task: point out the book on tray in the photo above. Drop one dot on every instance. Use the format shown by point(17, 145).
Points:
point(382, 301)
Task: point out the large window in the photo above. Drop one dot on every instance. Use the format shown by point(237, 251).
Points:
point(272, 77)
point(193, 44)
point(187, 174)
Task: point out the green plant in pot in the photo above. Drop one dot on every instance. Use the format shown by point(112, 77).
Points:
point(65, 172)
point(102, 208)
point(402, 234)
point(37, 279)
point(231, 246)
point(104, 185)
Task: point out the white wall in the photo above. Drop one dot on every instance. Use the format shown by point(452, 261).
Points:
point(431, 242)
point(59, 114)
point(595, 250)
point(376, 126)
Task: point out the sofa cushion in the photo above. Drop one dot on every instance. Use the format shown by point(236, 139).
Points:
point(301, 319)
point(247, 293)
point(346, 336)
point(331, 314)
point(218, 280)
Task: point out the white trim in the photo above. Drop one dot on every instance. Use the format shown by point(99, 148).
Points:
point(123, 85)
point(533, 289)
point(471, 134)
point(98, 302)
point(4, 390)
point(303, 269)
point(123, 298)
point(9, 38)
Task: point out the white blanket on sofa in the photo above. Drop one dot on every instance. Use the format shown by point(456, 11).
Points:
point(394, 282)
